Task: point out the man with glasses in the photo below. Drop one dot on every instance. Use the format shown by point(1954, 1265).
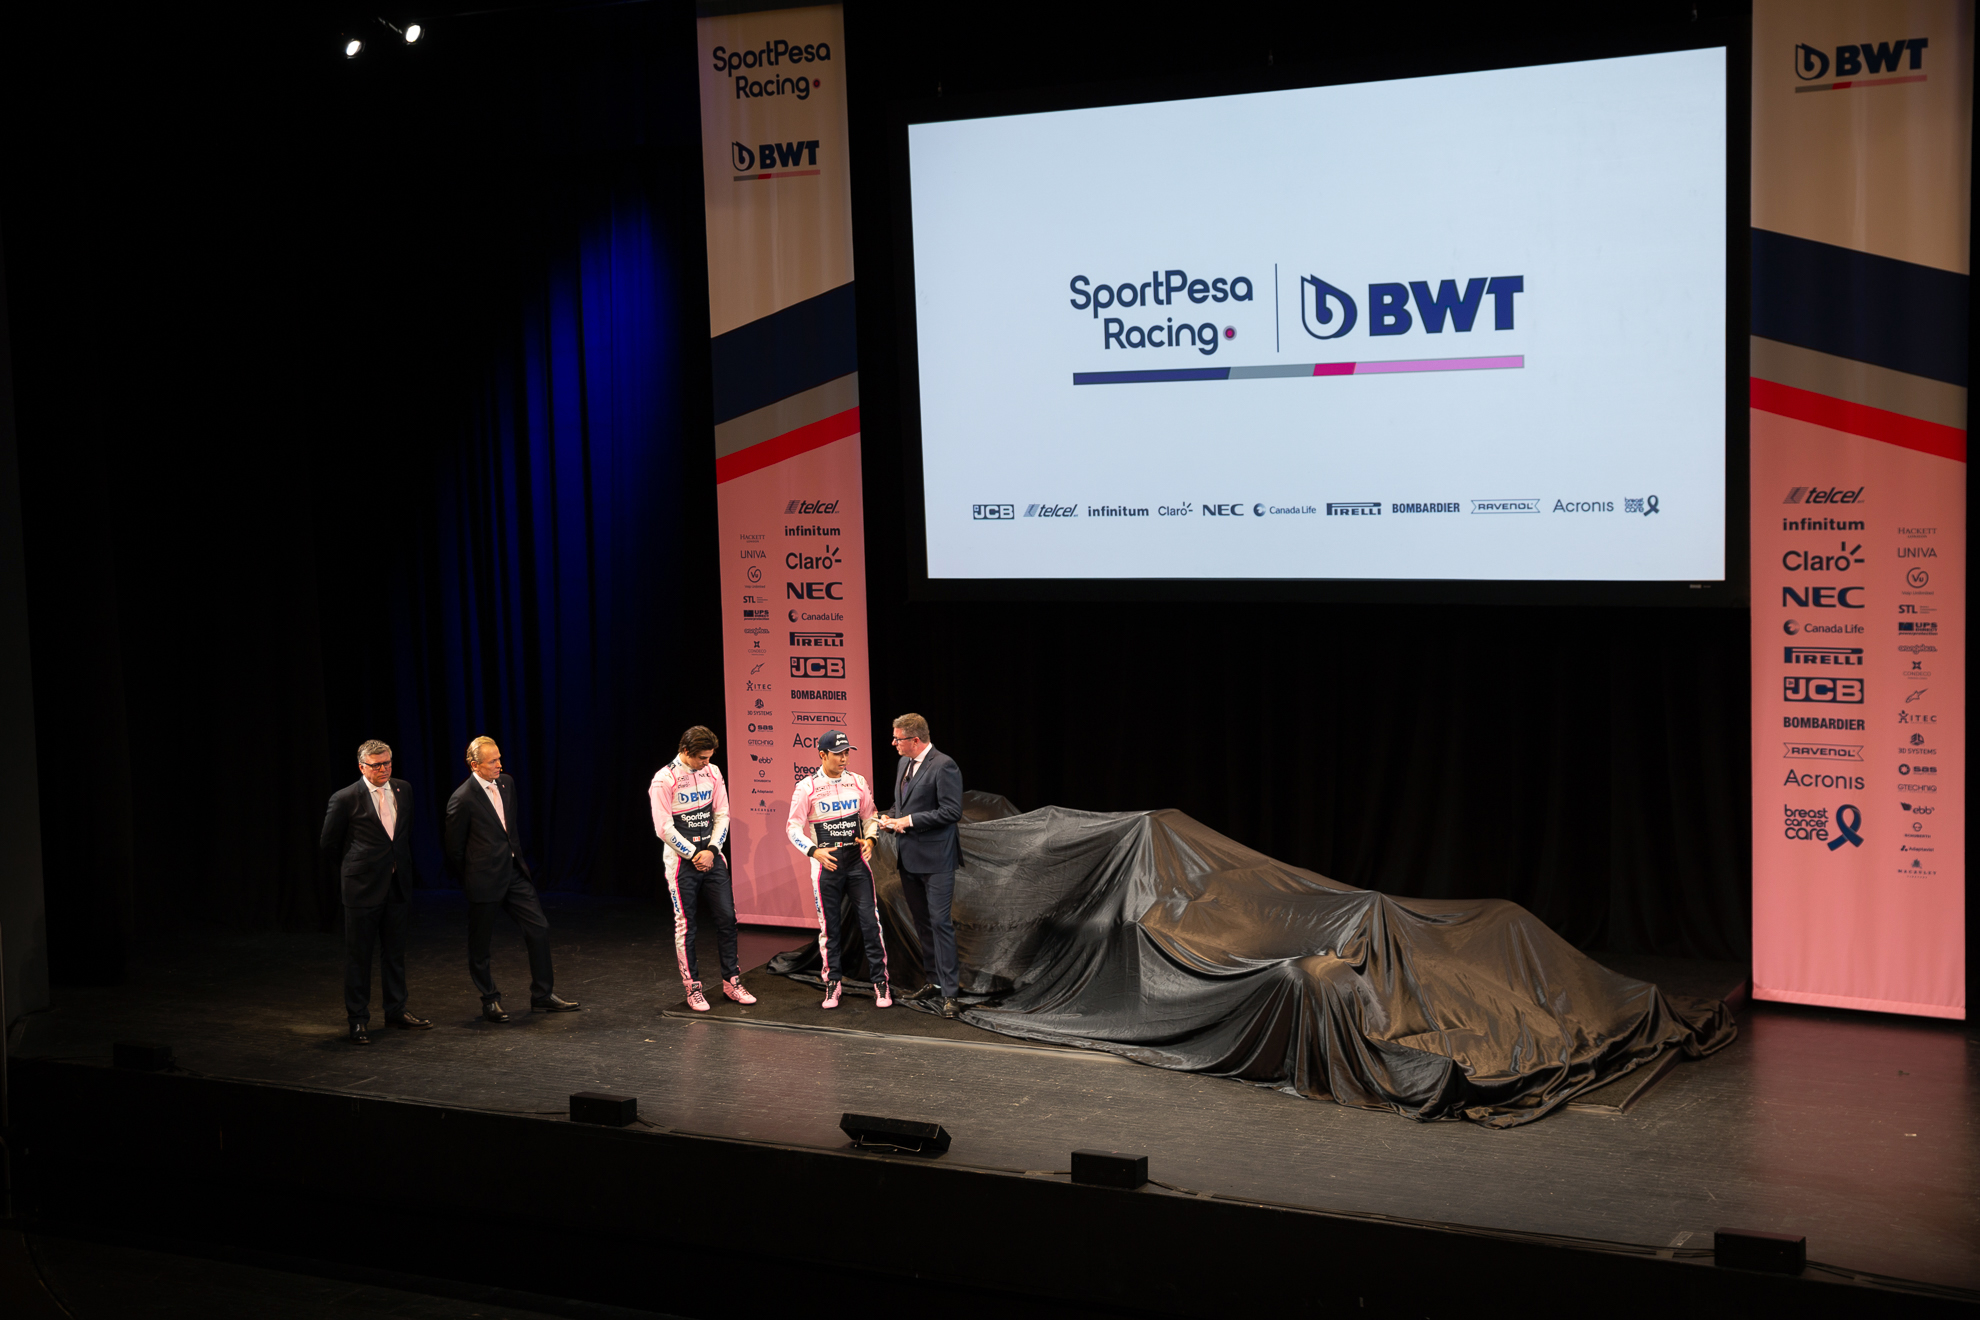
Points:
point(368, 831)
point(928, 793)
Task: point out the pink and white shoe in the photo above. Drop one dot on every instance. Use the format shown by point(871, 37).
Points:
point(733, 988)
point(832, 992)
point(883, 996)
point(696, 1000)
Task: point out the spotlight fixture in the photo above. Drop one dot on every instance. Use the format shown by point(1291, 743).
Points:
point(412, 33)
point(351, 48)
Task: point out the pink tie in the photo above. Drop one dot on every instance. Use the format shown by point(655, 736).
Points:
point(495, 796)
point(388, 815)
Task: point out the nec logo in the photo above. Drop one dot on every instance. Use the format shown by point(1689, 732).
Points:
point(1822, 598)
point(1388, 305)
point(1811, 64)
point(1847, 691)
point(818, 666)
point(813, 590)
point(992, 512)
point(1223, 510)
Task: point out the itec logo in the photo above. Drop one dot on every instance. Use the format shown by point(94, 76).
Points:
point(1388, 306)
point(1811, 63)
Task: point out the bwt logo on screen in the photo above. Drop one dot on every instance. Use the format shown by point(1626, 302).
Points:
point(1160, 290)
point(1328, 312)
point(1812, 64)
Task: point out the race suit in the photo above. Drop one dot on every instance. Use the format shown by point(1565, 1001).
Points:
point(827, 813)
point(691, 812)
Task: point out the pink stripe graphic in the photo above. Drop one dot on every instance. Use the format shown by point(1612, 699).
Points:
point(1421, 364)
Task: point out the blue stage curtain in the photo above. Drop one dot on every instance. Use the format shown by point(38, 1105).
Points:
point(538, 618)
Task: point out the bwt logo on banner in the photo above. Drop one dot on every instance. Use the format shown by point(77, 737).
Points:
point(1388, 306)
point(1812, 64)
point(773, 155)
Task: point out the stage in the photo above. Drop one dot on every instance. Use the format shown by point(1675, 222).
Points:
point(1857, 1131)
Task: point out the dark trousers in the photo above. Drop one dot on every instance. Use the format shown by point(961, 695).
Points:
point(383, 928)
point(523, 909)
point(929, 897)
point(830, 891)
point(686, 888)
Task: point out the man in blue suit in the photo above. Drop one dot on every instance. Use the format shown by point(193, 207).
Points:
point(928, 793)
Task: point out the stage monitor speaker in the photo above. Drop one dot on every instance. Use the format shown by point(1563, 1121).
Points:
point(145, 1058)
point(1771, 1253)
point(1109, 1168)
point(894, 1134)
point(604, 1110)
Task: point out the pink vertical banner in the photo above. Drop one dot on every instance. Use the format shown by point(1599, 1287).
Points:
point(778, 202)
point(1858, 502)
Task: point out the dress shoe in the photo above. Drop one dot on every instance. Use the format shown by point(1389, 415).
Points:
point(407, 1022)
point(492, 1010)
point(359, 1036)
point(928, 994)
point(949, 1009)
point(554, 1005)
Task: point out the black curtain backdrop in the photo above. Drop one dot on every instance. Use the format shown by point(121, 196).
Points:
point(372, 400)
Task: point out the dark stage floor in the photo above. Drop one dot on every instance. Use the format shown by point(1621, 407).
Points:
point(1856, 1130)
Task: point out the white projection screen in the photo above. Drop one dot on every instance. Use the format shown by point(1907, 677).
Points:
point(1467, 327)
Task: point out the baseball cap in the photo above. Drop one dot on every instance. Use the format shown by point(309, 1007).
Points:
point(835, 740)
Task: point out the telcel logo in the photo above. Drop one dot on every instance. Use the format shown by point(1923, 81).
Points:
point(1388, 306)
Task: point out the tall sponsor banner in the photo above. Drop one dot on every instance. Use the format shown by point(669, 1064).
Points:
point(1862, 114)
point(787, 459)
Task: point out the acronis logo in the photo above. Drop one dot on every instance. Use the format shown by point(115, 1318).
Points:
point(1329, 312)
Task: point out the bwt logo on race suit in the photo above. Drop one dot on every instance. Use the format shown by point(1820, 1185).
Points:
point(773, 155)
point(772, 55)
point(1388, 306)
point(1812, 64)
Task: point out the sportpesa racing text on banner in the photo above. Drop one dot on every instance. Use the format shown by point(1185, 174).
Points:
point(787, 460)
point(1458, 327)
point(1862, 116)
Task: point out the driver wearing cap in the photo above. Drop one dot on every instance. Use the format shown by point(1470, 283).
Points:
point(829, 823)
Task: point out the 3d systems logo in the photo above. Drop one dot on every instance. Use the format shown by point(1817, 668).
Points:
point(1323, 305)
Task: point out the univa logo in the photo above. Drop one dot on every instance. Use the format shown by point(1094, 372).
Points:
point(1388, 306)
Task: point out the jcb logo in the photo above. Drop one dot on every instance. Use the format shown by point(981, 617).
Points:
point(818, 666)
point(1812, 65)
point(1848, 691)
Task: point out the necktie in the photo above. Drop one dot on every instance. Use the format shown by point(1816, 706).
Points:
point(388, 813)
point(495, 796)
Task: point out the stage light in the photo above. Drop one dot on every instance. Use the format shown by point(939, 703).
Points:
point(412, 33)
point(352, 47)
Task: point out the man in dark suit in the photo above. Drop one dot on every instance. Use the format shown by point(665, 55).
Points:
point(367, 829)
point(483, 843)
point(927, 804)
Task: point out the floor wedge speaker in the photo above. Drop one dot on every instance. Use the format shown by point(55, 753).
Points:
point(866, 1131)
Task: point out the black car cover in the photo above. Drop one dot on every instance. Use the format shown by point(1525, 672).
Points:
point(1147, 935)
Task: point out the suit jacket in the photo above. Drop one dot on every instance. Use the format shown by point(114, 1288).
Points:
point(934, 799)
point(480, 851)
point(355, 838)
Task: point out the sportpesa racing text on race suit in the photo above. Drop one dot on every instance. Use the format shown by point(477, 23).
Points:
point(690, 813)
point(828, 813)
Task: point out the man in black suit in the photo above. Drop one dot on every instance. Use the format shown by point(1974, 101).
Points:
point(367, 829)
point(927, 804)
point(483, 840)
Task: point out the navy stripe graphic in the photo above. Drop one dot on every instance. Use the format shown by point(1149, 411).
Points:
point(1836, 300)
point(786, 352)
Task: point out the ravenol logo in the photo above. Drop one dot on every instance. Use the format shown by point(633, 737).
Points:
point(1811, 63)
point(1388, 306)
